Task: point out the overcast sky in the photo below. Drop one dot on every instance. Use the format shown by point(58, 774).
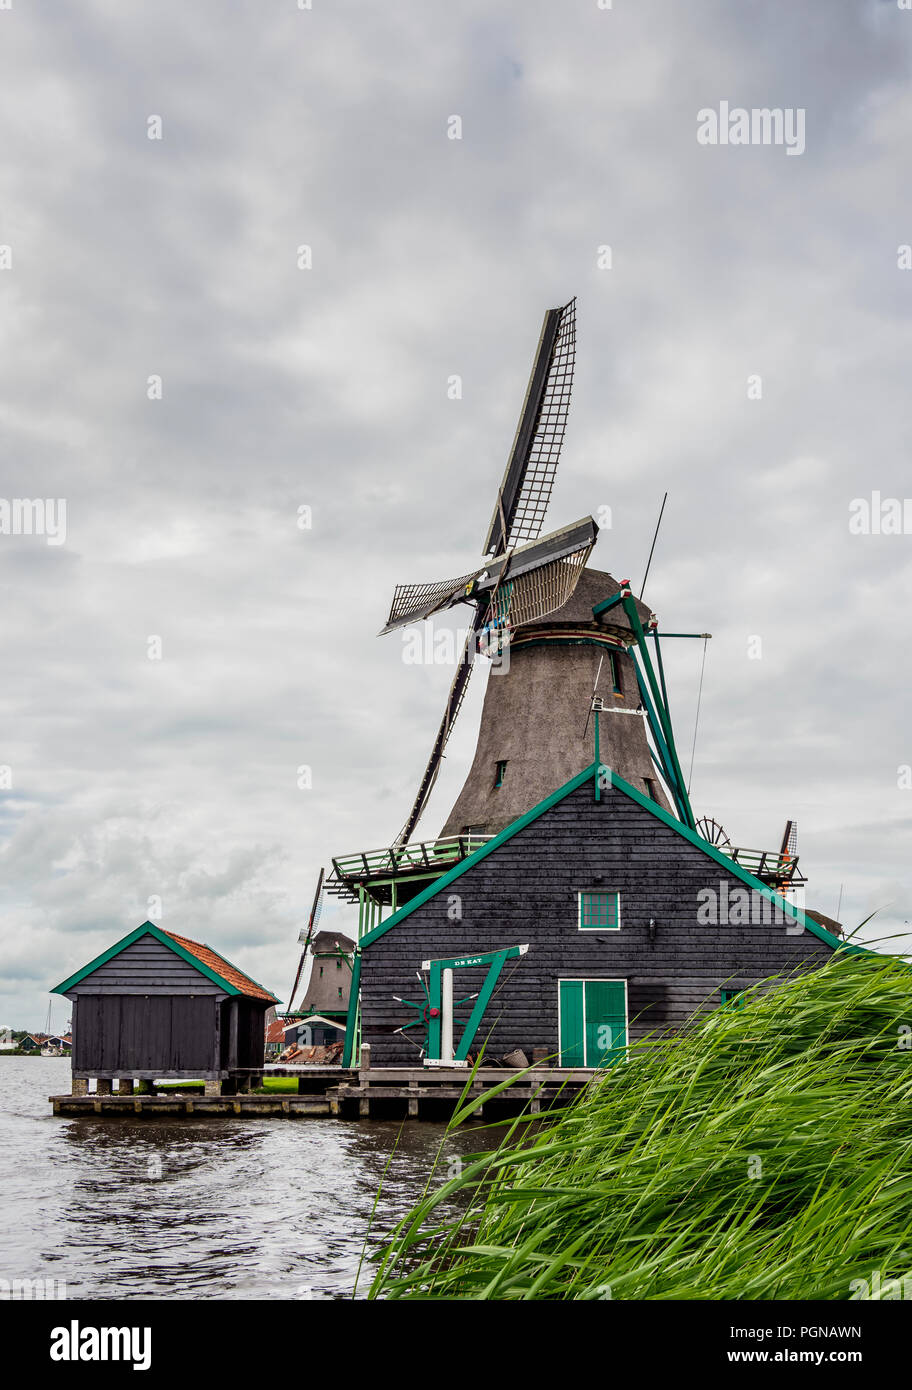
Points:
point(136, 779)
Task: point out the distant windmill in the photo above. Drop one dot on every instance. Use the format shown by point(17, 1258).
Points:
point(305, 936)
point(524, 579)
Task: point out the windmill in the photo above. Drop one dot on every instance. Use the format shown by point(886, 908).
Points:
point(305, 936)
point(524, 578)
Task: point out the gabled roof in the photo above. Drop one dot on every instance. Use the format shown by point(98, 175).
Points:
point(200, 956)
point(654, 809)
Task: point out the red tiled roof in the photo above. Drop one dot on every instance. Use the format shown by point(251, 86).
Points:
point(222, 967)
point(275, 1033)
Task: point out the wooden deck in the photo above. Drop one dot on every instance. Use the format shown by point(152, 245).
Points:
point(372, 1093)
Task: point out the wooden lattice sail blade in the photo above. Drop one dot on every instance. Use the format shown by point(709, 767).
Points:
point(538, 592)
point(531, 467)
point(414, 602)
point(453, 706)
point(567, 543)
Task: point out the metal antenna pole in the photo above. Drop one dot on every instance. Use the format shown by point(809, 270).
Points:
point(693, 747)
point(592, 697)
point(653, 546)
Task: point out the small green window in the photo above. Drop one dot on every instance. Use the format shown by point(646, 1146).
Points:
point(599, 911)
point(732, 998)
point(500, 772)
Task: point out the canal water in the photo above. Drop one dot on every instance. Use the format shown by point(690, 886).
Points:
point(184, 1209)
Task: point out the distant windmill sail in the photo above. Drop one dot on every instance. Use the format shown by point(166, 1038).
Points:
point(307, 935)
point(527, 578)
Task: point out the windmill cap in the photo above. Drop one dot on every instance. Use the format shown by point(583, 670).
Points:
point(594, 587)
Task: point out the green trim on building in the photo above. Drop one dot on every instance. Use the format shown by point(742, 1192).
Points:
point(150, 929)
point(477, 855)
point(654, 809)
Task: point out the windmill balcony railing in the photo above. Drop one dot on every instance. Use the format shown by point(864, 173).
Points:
point(769, 866)
point(417, 857)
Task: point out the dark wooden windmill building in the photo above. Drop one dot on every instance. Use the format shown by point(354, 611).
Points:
point(630, 924)
point(158, 1005)
point(566, 906)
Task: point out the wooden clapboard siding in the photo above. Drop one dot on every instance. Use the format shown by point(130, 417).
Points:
point(147, 967)
point(525, 891)
point(133, 1033)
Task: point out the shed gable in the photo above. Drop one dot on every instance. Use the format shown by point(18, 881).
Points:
point(146, 967)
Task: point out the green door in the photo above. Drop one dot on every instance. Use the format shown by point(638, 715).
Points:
point(593, 1022)
point(572, 1027)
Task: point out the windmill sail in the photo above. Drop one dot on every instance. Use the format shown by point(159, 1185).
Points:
point(535, 570)
point(519, 588)
point(453, 706)
point(305, 936)
point(529, 475)
point(528, 578)
point(412, 602)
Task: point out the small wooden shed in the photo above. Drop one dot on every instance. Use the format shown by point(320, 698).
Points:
point(160, 1005)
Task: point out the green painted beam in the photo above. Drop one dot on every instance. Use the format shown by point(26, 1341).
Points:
point(637, 629)
point(351, 1023)
point(481, 1003)
point(435, 1007)
point(667, 768)
point(611, 602)
point(495, 962)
